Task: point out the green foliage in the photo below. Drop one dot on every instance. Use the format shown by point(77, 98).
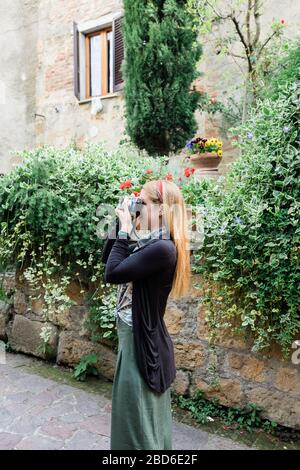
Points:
point(86, 367)
point(101, 320)
point(45, 347)
point(161, 55)
point(204, 410)
point(4, 297)
point(280, 73)
point(196, 192)
point(251, 249)
point(51, 199)
point(50, 223)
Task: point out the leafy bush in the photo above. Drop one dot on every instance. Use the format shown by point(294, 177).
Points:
point(48, 214)
point(199, 192)
point(282, 72)
point(251, 249)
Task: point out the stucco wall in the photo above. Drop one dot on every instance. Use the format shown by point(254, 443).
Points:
point(64, 119)
point(18, 43)
point(36, 65)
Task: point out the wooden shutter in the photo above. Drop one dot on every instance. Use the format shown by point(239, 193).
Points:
point(118, 54)
point(76, 61)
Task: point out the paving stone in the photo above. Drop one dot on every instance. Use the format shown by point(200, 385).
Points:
point(99, 424)
point(9, 440)
point(23, 425)
point(222, 443)
point(37, 413)
point(185, 437)
point(58, 429)
point(85, 440)
point(38, 443)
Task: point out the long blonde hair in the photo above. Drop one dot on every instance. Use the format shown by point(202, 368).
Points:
point(175, 218)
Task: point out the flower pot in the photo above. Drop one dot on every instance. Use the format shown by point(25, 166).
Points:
point(208, 161)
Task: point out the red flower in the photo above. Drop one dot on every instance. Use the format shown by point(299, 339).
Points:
point(125, 184)
point(149, 171)
point(187, 172)
point(282, 21)
point(136, 193)
point(169, 177)
point(193, 170)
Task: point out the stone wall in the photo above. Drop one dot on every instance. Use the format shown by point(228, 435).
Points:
point(244, 377)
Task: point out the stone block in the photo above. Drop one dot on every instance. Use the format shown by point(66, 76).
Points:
point(71, 349)
point(278, 406)
point(229, 391)
point(288, 379)
point(5, 310)
point(174, 319)
point(189, 355)
point(247, 366)
point(20, 302)
point(25, 337)
point(182, 382)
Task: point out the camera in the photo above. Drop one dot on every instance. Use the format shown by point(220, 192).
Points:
point(134, 205)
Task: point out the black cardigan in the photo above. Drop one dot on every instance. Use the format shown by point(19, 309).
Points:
point(151, 269)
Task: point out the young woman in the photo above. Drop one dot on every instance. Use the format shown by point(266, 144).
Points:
point(148, 271)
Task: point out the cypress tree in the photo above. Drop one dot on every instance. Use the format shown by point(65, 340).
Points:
point(161, 55)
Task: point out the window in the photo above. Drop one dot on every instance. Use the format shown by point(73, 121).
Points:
point(98, 56)
point(98, 53)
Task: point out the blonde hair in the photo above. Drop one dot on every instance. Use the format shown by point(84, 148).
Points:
point(175, 219)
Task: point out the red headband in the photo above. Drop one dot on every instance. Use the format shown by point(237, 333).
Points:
point(160, 189)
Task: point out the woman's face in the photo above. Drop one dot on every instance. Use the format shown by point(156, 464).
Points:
point(149, 215)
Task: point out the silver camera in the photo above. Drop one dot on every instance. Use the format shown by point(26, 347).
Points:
point(134, 205)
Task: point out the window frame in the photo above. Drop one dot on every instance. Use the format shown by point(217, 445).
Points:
point(86, 30)
point(105, 85)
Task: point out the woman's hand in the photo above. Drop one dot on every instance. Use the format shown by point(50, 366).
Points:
point(124, 215)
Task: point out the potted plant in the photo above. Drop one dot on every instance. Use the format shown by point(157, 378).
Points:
point(205, 154)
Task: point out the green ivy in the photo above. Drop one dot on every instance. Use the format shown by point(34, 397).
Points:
point(50, 222)
point(205, 410)
point(86, 366)
point(250, 256)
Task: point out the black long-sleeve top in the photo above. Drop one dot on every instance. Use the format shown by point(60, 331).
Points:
point(151, 269)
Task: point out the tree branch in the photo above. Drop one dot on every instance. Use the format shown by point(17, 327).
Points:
point(239, 31)
point(243, 41)
point(218, 14)
point(238, 56)
point(257, 22)
point(265, 43)
point(249, 8)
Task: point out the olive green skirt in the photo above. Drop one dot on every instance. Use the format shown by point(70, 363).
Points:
point(141, 418)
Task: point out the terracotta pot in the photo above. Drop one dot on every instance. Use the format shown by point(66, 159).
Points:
point(205, 161)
